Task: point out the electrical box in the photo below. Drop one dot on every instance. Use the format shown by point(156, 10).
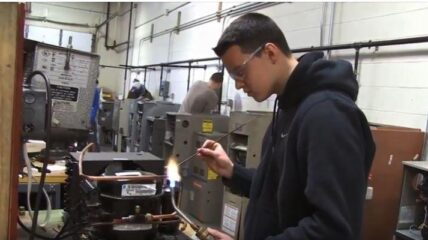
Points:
point(153, 116)
point(411, 209)
point(245, 146)
point(33, 113)
point(155, 135)
point(72, 75)
point(202, 189)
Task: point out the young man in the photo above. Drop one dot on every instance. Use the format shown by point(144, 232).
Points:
point(318, 150)
point(202, 96)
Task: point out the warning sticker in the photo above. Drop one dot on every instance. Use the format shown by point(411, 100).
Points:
point(129, 190)
point(207, 126)
point(64, 99)
point(64, 93)
point(230, 219)
point(212, 175)
point(64, 106)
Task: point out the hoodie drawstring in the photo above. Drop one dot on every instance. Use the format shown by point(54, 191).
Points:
point(274, 119)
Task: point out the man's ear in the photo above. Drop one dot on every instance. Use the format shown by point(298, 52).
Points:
point(272, 51)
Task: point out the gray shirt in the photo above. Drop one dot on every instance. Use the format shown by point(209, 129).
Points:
point(199, 99)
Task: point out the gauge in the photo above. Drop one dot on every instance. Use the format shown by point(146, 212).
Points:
point(29, 98)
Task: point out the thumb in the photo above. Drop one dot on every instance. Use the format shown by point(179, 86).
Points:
point(216, 234)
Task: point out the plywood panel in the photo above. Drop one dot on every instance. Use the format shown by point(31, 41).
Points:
point(10, 70)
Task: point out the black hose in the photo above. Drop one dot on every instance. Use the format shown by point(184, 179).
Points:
point(48, 120)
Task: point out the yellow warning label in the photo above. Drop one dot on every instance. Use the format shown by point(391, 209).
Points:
point(207, 126)
point(212, 175)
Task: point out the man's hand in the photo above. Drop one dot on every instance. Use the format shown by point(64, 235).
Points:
point(216, 158)
point(218, 235)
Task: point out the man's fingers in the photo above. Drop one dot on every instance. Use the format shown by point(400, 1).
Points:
point(214, 233)
point(218, 235)
point(205, 152)
point(208, 144)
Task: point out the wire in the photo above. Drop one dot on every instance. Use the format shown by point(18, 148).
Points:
point(25, 228)
point(48, 120)
point(29, 185)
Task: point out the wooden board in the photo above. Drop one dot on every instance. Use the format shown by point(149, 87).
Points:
point(11, 45)
point(393, 146)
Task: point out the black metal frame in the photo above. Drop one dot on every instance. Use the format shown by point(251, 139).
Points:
point(357, 46)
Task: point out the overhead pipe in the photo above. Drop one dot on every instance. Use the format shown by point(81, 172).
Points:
point(44, 19)
point(367, 44)
point(175, 62)
point(127, 48)
point(162, 15)
point(74, 8)
point(181, 66)
point(356, 61)
point(188, 76)
point(107, 30)
point(355, 45)
point(330, 32)
point(232, 11)
point(322, 22)
point(145, 75)
point(108, 19)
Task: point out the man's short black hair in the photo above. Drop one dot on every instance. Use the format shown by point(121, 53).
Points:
point(249, 32)
point(217, 77)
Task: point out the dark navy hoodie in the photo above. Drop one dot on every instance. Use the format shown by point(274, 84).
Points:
point(316, 155)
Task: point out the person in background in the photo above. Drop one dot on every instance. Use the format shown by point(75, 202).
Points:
point(202, 96)
point(93, 132)
point(147, 96)
point(317, 152)
point(137, 90)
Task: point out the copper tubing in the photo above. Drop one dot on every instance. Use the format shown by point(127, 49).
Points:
point(119, 221)
point(164, 216)
point(113, 178)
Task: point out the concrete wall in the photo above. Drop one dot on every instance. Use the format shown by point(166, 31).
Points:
point(392, 79)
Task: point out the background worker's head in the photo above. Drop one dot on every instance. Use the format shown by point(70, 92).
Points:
point(216, 81)
point(255, 54)
point(136, 83)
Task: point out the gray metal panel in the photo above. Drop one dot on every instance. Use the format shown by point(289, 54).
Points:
point(156, 109)
point(252, 134)
point(77, 118)
point(116, 114)
point(206, 201)
point(249, 139)
point(425, 148)
point(232, 201)
point(105, 115)
point(202, 195)
point(33, 114)
point(186, 128)
point(155, 135)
